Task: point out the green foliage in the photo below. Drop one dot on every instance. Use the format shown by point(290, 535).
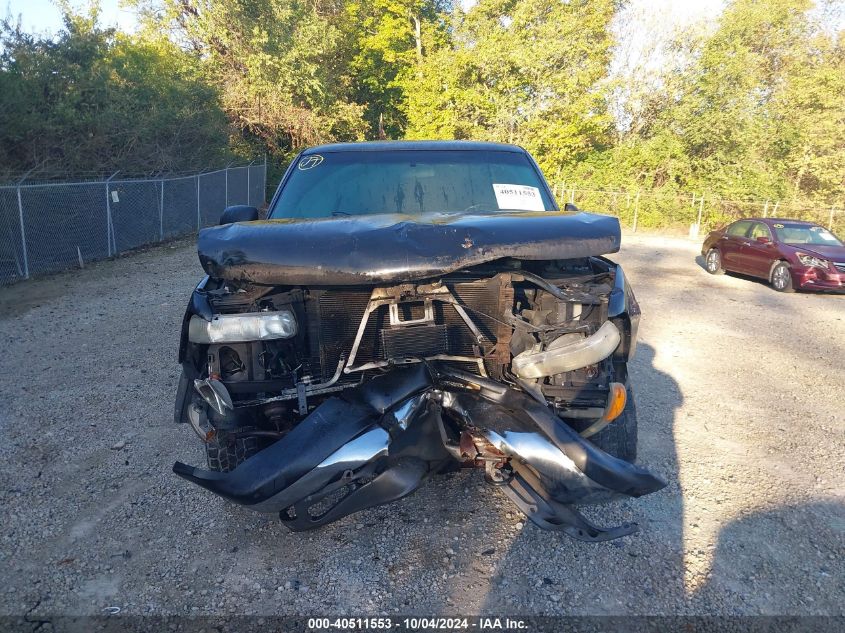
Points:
point(520, 71)
point(280, 65)
point(752, 109)
point(388, 40)
point(809, 119)
point(94, 100)
point(758, 114)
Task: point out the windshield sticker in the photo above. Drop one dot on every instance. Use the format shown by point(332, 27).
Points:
point(309, 162)
point(518, 197)
point(778, 226)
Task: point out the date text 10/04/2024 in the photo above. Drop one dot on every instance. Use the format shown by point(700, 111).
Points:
point(417, 624)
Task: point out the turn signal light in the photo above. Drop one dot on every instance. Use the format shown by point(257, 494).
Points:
point(616, 402)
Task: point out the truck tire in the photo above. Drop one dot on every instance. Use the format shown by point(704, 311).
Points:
point(226, 451)
point(619, 438)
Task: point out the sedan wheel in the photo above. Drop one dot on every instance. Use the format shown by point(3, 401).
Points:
point(713, 262)
point(781, 278)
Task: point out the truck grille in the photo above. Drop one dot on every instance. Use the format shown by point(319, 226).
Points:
point(340, 312)
point(414, 340)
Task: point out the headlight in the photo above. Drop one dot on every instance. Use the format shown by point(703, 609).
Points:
point(813, 262)
point(238, 328)
point(561, 356)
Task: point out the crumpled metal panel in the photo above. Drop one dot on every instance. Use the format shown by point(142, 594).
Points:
point(396, 248)
point(379, 441)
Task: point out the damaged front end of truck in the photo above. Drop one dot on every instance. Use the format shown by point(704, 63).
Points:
point(332, 365)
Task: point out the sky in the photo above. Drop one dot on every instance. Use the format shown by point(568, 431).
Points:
point(43, 16)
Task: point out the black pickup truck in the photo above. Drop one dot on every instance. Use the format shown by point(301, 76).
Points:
point(406, 309)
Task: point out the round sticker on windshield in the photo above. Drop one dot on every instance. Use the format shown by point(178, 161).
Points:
point(309, 162)
point(778, 226)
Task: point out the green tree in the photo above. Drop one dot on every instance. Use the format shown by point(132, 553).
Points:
point(724, 115)
point(522, 71)
point(750, 109)
point(388, 40)
point(753, 110)
point(94, 100)
point(808, 122)
point(280, 65)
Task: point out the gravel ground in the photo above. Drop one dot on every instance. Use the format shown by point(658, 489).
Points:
point(740, 393)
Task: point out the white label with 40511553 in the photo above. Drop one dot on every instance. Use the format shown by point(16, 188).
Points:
point(519, 197)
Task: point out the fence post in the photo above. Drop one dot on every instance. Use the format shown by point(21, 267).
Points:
point(199, 220)
point(248, 169)
point(110, 239)
point(23, 236)
point(829, 220)
point(766, 209)
point(108, 219)
point(572, 196)
point(700, 210)
point(161, 213)
point(636, 210)
point(775, 210)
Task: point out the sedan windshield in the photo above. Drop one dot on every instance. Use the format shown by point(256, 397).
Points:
point(805, 234)
point(411, 182)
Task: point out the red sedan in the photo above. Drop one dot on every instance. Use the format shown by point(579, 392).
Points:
point(790, 254)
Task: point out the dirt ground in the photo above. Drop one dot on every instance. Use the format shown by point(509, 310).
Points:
point(740, 393)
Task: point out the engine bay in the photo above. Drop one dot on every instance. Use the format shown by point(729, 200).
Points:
point(509, 367)
point(514, 322)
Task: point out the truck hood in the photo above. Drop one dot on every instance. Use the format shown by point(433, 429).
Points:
point(366, 250)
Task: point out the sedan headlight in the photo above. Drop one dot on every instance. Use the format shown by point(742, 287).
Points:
point(239, 328)
point(811, 261)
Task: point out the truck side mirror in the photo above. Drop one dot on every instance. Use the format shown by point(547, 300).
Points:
point(239, 213)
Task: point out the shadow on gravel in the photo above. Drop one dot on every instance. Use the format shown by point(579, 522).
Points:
point(550, 573)
point(799, 545)
point(699, 259)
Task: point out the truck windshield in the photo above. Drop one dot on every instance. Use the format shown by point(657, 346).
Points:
point(411, 182)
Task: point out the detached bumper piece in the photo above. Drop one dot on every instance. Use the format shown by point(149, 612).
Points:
point(380, 441)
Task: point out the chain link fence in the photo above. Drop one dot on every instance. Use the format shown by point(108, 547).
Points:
point(685, 213)
point(48, 227)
